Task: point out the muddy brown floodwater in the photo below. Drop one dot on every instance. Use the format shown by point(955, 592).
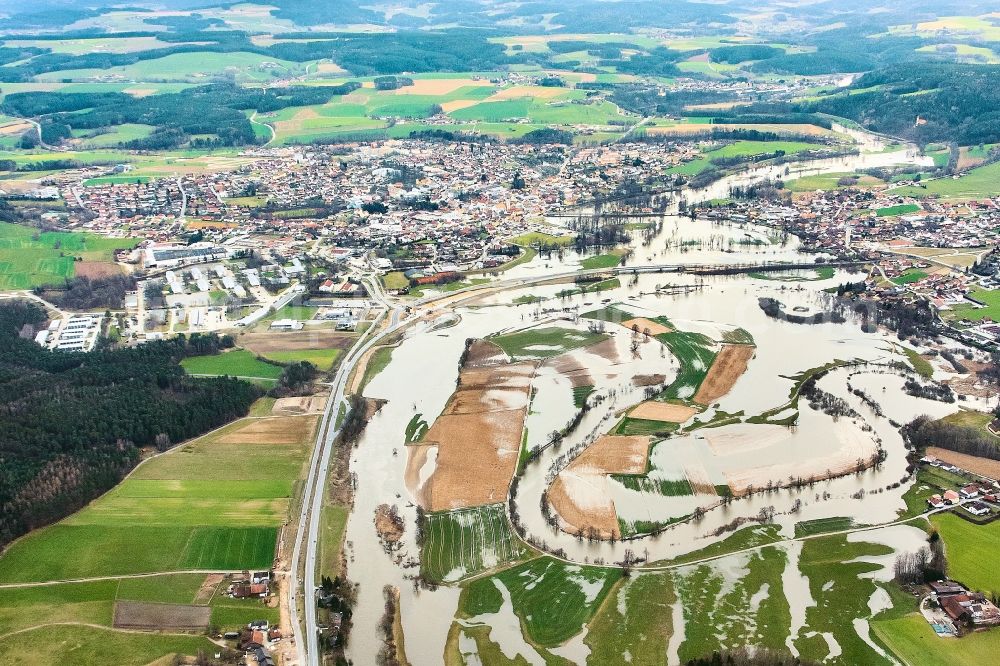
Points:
point(421, 379)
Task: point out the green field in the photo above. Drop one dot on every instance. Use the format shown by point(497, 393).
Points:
point(235, 363)
point(114, 135)
point(553, 600)
point(822, 525)
point(321, 358)
point(911, 639)
point(751, 148)
point(395, 280)
point(969, 311)
point(115, 180)
point(841, 592)
point(89, 645)
point(214, 504)
point(609, 260)
point(910, 276)
point(462, 543)
point(899, 209)
point(646, 600)
point(717, 614)
point(544, 342)
point(828, 181)
point(30, 257)
point(534, 238)
point(976, 183)
point(694, 353)
point(967, 544)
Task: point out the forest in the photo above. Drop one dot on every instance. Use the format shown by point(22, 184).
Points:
point(215, 109)
point(923, 432)
point(957, 102)
point(72, 424)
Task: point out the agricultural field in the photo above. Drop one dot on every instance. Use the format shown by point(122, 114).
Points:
point(114, 136)
point(235, 363)
point(899, 209)
point(608, 260)
point(553, 600)
point(695, 354)
point(544, 342)
point(88, 645)
point(457, 544)
point(643, 603)
point(31, 258)
point(718, 614)
point(321, 358)
point(910, 276)
point(973, 313)
point(215, 503)
point(966, 544)
point(977, 183)
point(831, 181)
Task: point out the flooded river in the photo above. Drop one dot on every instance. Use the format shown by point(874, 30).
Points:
point(424, 369)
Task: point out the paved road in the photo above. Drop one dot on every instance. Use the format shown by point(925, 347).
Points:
point(307, 536)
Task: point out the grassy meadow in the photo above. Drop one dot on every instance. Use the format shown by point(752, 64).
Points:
point(30, 257)
point(215, 503)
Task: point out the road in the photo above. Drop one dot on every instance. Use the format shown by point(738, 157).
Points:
point(310, 516)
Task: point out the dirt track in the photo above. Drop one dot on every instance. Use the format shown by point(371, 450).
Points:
point(728, 367)
point(580, 494)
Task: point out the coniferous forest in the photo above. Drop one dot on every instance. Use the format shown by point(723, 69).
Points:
point(72, 424)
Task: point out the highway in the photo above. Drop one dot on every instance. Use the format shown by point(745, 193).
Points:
point(307, 535)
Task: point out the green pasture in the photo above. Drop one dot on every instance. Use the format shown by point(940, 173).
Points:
point(114, 135)
point(911, 639)
point(898, 209)
point(553, 599)
point(215, 503)
point(694, 352)
point(466, 542)
point(977, 183)
point(235, 363)
point(30, 257)
point(975, 313)
point(544, 342)
point(67, 644)
point(966, 545)
point(643, 603)
point(321, 358)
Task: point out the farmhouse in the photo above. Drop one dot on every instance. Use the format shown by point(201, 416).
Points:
point(977, 508)
point(971, 608)
point(950, 497)
point(970, 491)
